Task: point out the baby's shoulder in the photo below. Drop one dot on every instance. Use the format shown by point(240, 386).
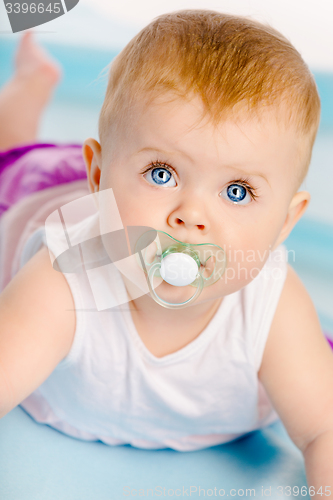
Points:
point(48, 294)
point(294, 297)
point(294, 321)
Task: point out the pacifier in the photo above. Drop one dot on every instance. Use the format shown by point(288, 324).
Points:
point(178, 264)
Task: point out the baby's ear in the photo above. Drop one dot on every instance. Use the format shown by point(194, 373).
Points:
point(296, 209)
point(91, 151)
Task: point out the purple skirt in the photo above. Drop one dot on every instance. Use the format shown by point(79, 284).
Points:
point(27, 169)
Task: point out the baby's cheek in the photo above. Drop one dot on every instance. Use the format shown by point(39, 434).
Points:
point(239, 274)
point(244, 264)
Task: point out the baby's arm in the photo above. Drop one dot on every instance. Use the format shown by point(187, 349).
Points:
point(297, 373)
point(37, 326)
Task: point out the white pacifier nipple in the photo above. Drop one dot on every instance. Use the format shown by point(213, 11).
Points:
point(178, 269)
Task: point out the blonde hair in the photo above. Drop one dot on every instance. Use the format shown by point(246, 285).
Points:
point(227, 60)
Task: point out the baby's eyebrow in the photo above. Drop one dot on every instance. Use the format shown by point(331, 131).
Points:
point(157, 150)
point(252, 174)
point(245, 174)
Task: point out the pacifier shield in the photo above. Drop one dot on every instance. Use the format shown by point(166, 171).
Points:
point(179, 264)
point(178, 269)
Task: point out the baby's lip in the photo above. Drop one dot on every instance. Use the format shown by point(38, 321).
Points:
point(183, 241)
point(206, 242)
point(193, 242)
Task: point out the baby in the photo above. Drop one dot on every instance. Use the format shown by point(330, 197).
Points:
point(206, 134)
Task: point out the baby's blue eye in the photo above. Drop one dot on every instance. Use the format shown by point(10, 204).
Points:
point(160, 176)
point(237, 193)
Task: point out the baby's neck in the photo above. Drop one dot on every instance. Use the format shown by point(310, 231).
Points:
point(164, 331)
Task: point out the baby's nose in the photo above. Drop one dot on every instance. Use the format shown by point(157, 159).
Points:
point(189, 217)
point(185, 222)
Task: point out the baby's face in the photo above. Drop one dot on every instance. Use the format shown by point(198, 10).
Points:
point(230, 185)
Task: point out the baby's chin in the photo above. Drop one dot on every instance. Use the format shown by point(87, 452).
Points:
point(219, 290)
point(178, 295)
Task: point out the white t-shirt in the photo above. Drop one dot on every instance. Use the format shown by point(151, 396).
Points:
point(111, 388)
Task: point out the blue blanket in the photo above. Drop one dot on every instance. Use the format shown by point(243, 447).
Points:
point(39, 463)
